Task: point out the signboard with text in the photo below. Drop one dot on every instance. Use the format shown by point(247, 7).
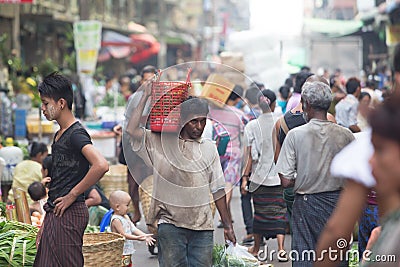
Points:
point(87, 40)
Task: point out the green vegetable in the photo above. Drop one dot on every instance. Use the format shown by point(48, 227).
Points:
point(2, 209)
point(218, 254)
point(92, 229)
point(17, 244)
point(223, 259)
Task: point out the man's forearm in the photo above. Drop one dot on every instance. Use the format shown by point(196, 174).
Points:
point(133, 127)
point(220, 202)
point(286, 183)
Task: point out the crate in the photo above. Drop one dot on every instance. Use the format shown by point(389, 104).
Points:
point(166, 98)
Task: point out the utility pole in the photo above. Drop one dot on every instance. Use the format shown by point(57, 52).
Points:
point(162, 17)
point(16, 31)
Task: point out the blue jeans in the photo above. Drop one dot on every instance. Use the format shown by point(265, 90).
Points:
point(181, 247)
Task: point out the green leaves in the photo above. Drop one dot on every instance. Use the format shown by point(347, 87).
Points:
point(17, 244)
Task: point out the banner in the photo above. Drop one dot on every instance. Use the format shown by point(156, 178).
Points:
point(392, 34)
point(87, 40)
point(16, 1)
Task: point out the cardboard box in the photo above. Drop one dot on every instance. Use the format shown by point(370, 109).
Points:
point(33, 127)
point(217, 89)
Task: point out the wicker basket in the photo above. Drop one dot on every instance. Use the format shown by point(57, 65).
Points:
point(102, 249)
point(115, 179)
point(166, 98)
point(145, 195)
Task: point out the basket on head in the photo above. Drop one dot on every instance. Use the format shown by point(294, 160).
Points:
point(102, 249)
point(165, 100)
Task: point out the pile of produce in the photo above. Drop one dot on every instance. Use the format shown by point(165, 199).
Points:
point(37, 219)
point(232, 257)
point(2, 209)
point(17, 244)
point(92, 229)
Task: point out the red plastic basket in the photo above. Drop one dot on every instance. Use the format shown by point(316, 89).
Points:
point(165, 100)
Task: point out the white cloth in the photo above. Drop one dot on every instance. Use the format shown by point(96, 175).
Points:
point(353, 161)
point(258, 135)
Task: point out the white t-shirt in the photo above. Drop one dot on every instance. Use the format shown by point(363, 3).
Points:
point(353, 161)
point(258, 135)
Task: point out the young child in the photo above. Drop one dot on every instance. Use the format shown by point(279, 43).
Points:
point(37, 192)
point(121, 224)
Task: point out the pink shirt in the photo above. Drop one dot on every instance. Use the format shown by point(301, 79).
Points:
point(233, 120)
point(294, 100)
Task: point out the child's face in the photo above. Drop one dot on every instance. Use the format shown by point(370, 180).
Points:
point(122, 207)
point(51, 109)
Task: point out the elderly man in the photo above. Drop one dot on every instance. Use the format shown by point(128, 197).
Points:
point(187, 171)
point(308, 151)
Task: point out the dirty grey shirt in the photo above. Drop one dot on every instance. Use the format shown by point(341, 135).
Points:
point(186, 174)
point(309, 150)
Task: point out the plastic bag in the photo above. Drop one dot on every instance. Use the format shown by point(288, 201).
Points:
point(238, 256)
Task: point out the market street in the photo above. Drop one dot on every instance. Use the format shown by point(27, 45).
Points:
point(142, 257)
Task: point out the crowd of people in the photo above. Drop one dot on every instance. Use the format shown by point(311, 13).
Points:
point(310, 161)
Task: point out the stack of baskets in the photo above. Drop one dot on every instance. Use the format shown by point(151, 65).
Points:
point(145, 195)
point(102, 249)
point(165, 100)
point(115, 179)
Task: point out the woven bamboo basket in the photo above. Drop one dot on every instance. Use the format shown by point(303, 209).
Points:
point(145, 192)
point(115, 179)
point(102, 249)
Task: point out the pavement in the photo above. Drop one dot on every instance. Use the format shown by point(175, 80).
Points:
point(142, 258)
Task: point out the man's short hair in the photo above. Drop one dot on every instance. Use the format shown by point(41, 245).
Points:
point(265, 106)
point(300, 79)
point(284, 90)
point(57, 86)
point(194, 106)
point(148, 69)
point(251, 94)
point(352, 84)
point(36, 191)
point(317, 94)
point(236, 93)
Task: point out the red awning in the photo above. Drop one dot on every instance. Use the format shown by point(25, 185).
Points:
point(147, 46)
point(16, 1)
point(138, 46)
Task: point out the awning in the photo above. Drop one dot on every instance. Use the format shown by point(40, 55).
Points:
point(332, 28)
point(138, 46)
point(179, 38)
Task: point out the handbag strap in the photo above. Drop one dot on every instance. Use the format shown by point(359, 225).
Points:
point(284, 126)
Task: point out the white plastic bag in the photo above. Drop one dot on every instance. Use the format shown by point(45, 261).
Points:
point(238, 256)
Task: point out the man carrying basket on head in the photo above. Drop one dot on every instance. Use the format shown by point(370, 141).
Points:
point(187, 171)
